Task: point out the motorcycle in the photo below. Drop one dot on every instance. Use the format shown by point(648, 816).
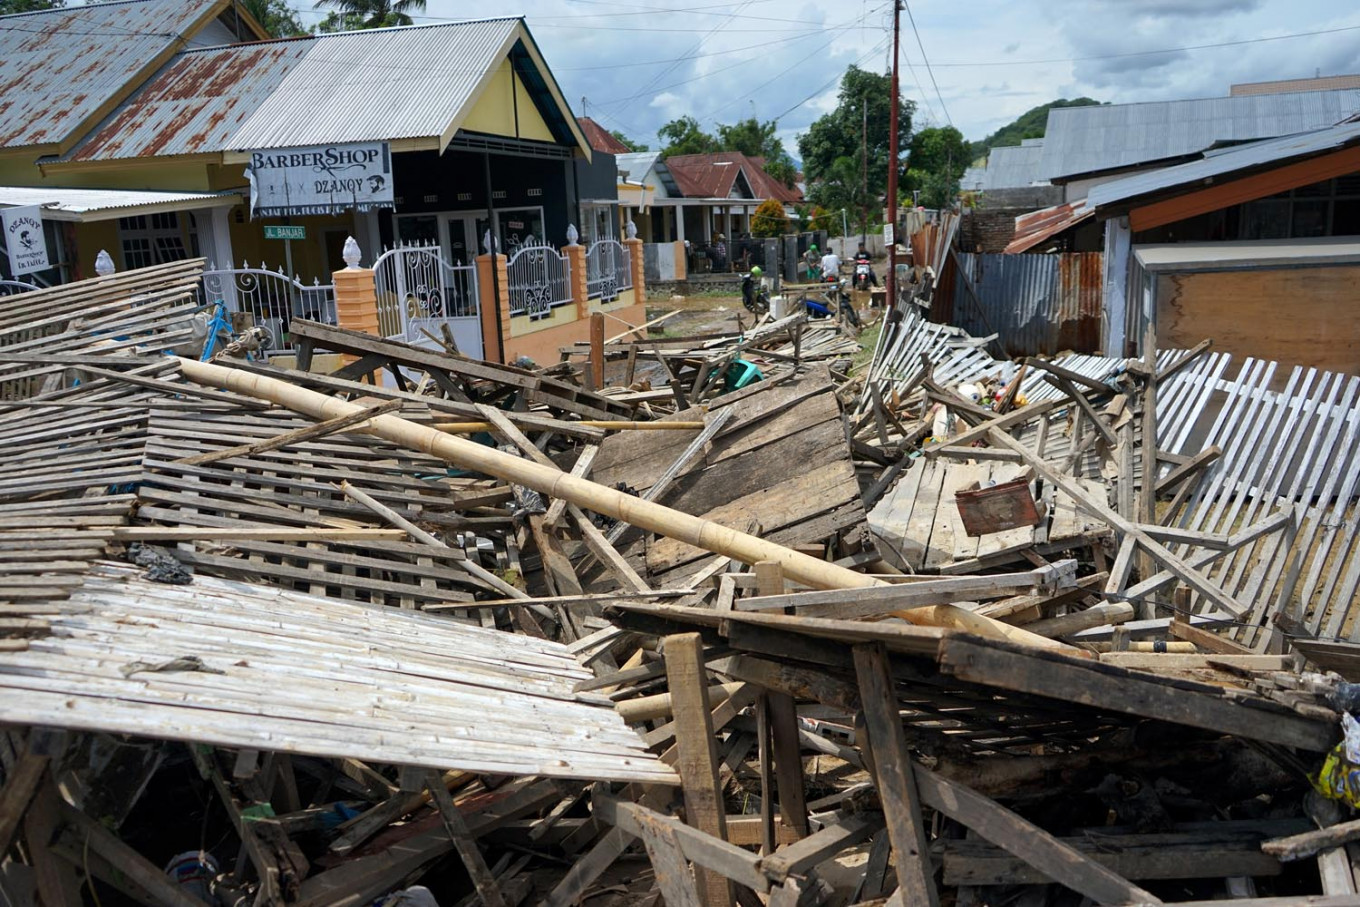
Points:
point(753, 294)
point(864, 274)
point(834, 299)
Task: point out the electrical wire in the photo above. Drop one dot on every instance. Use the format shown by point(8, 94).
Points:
point(926, 60)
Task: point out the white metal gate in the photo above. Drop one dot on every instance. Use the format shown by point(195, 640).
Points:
point(419, 293)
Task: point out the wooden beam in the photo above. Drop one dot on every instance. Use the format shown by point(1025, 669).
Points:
point(894, 776)
point(473, 861)
point(669, 868)
point(800, 856)
point(132, 864)
point(1060, 862)
point(698, 762)
point(21, 784)
point(1235, 192)
point(297, 436)
point(1125, 691)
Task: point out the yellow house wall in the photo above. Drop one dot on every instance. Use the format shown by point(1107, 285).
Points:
point(544, 346)
point(309, 255)
point(189, 175)
point(495, 111)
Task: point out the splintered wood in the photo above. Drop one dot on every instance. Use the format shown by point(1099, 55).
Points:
point(629, 629)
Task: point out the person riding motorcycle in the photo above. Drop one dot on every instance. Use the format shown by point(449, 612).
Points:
point(753, 295)
point(863, 261)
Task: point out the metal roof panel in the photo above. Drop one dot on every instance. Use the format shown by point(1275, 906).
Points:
point(1081, 140)
point(59, 67)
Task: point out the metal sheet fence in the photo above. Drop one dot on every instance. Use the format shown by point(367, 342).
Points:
point(1036, 304)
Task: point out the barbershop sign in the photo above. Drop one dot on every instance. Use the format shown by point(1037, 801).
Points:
point(328, 179)
point(24, 239)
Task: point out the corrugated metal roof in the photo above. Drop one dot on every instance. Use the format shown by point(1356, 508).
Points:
point(1081, 140)
point(373, 85)
point(59, 67)
point(1223, 161)
point(77, 202)
point(1321, 83)
point(713, 176)
point(600, 139)
point(379, 84)
point(197, 103)
point(1013, 166)
point(1033, 228)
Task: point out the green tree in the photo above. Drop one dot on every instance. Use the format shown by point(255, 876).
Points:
point(628, 143)
point(769, 219)
point(935, 164)
point(352, 15)
point(756, 139)
point(10, 7)
point(823, 219)
point(683, 136)
point(1029, 125)
point(832, 147)
point(277, 17)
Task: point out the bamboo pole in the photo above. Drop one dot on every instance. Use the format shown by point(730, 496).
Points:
point(467, 428)
point(555, 483)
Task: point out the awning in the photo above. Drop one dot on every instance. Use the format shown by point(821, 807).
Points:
point(1248, 254)
point(1033, 228)
point(83, 206)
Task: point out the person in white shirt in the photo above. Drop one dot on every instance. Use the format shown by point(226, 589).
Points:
point(831, 265)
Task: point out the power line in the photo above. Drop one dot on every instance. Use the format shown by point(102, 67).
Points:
point(1150, 53)
point(929, 71)
point(882, 43)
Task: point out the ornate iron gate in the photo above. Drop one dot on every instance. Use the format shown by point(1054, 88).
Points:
point(419, 293)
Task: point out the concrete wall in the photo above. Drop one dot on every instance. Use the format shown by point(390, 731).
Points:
point(847, 246)
point(1030, 197)
point(664, 261)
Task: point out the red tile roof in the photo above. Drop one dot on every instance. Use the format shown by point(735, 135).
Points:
point(601, 139)
point(713, 175)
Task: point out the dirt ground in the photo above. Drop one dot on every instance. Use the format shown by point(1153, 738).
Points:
point(712, 314)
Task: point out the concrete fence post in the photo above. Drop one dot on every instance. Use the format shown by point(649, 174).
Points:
point(356, 300)
point(494, 306)
point(576, 262)
point(636, 265)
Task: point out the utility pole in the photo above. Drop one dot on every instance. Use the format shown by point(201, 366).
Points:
point(890, 284)
point(864, 171)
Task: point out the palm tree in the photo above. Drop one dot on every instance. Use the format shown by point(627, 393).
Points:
point(354, 14)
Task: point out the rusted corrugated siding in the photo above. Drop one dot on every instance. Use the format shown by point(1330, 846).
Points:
point(1037, 304)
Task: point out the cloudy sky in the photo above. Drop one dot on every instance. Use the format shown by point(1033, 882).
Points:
point(639, 63)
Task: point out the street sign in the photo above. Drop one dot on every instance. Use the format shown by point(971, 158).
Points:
point(888, 234)
point(285, 232)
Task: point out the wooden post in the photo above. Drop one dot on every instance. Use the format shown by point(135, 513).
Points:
point(783, 717)
point(1147, 495)
point(596, 351)
point(894, 776)
point(698, 762)
point(456, 826)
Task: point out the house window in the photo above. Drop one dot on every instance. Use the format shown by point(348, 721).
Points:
point(151, 239)
point(1328, 208)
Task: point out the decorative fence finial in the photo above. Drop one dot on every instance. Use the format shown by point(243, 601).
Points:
point(103, 264)
point(351, 253)
point(630, 229)
point(572, 234)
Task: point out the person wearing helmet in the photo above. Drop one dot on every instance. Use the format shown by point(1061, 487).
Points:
point(755, 271)
point(812, 262)
point(752, 294)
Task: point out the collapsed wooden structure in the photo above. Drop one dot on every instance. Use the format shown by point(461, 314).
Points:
point(321, 636)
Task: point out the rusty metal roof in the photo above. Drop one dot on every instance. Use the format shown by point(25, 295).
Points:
point(59, 67)
point(1033, 228)
point(375, 85)
point(713, 176)
point(601, 139)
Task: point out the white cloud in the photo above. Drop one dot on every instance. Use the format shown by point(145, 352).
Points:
point(714, 60)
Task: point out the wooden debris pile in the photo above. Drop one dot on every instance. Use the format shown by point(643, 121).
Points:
point(425, 629)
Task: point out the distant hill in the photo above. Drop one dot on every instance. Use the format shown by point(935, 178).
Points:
point(1029, 125)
